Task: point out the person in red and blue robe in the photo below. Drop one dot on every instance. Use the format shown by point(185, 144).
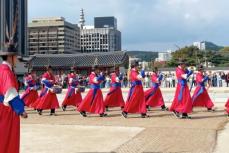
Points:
point(182, 102)
point(114, 97)
point(93, 101)
point(73, 96)
point(47, 98)
point(11, 105)
point(227, 107)
point(30, 95)
point(136, 100)
point(153, 96)
point(201, 97)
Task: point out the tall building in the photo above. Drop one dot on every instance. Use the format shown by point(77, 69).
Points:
point(105, 22)
point(11, 12)
point(100, 40)
point(53, 36)
point(102, 37)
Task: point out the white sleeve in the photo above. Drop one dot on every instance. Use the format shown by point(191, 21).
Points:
point(139, 77)
point(70, 80)
point(10, 95)
point(117, 79)
point(43, 80)
point(95, 80)
point(184, 76)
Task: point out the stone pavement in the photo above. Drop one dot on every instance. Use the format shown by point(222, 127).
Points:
point(160, 133)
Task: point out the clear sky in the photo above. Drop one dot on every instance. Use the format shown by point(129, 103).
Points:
point(153, 25)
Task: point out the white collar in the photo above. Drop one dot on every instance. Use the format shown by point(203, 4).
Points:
point(8, 64)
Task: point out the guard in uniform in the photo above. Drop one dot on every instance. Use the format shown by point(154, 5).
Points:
point(114, 97)
point(93, 102)
point(48, 98)
point(11, 105)
point(182, 102)
point(30, 95)
point(136, 100)
point(153, 96)
point(201, 97)
point(73, 96)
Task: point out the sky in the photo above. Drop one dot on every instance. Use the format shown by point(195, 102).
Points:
point(149, 25)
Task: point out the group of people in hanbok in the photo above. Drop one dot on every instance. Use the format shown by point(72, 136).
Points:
point(138, 101)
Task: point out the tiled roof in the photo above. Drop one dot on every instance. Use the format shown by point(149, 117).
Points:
point(80, 60)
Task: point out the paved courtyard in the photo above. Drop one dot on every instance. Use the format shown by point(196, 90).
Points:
point(161, 132)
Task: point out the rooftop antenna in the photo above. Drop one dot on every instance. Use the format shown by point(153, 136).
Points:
point(82, 19)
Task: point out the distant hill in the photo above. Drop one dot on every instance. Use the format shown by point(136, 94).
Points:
point(143, 55)
point(211, 46)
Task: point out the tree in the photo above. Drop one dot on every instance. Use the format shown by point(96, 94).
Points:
point(194, 56)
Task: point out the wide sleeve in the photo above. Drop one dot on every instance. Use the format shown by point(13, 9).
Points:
point(9, 88)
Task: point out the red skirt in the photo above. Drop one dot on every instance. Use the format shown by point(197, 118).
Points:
point(114, 98)
point(185, 105)
point(48, 101)
point(95, 106)
point(29, 97)
point(74, 100)
point(136, 102)
point(203, 100)
point(9, 130)
point(156, 100)
point(227, 106)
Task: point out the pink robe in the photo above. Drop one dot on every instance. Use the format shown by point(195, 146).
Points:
point(200, 97)
point(30, 95)
point(114, 98)
point(227, 106)
point(9, 120)
point(93, 102)
point(153, 96)
point(183, 105)
point(136, 101)
point(72, 98)
point(48, 100)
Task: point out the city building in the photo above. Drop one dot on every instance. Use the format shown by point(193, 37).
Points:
point(105, 22)
point(164, 56)
point(53, 36)
point(102, 37)
point(14, 11)
point(205, 45)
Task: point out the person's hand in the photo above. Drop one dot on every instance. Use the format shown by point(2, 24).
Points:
point(24, 115)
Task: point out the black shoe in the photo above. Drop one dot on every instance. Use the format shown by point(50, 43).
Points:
point(163, 108)
point(143, 116)
point(103, 115)
point(64, 108)
point(176, 114)
point(39, 112)
point(107, 109)
point(211, 110)
point(53, 114)
point(83, 114)
point(227, 115)
point(124, 114)
point(185, 117)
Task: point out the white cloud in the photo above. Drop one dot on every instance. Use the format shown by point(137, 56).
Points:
point(148, 21)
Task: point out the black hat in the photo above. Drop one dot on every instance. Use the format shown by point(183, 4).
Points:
point(49, 67)
point(200, 67)
point(135, 64)
point(182, 61)
point(9, 49)
point(155, 69)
